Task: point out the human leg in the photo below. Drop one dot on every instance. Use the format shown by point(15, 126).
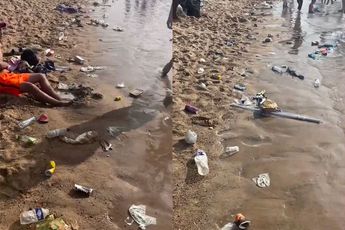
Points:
point(300, 4)
point(39, 95)
point(44, 84)
point(167, 68)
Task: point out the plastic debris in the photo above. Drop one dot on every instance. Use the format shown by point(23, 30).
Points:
point(191, 109)
point(201, 162)
point(191, 137)
point(27, 140)
point(106, 146)
point(202, 60)
point(63, 86)
point(49, 52)
point(79, 60)
point(27, 122)
point(118, 29)
point(262, 180)
point(83, 189)
point(138, 214)
point(203, 86)
point(57, 133)
point(43, 119)
point(61, 36)
point(201, 70)
point(84, 138)
point(317, 83)
point(52, 167)
point(51, 223)
point(231, 150)
point(67, 9)
point(90, 69)
point(120, 85)
point(240, 87)
point(136, 93)
point(280, 70)
point(114, 131)
point(33, 216)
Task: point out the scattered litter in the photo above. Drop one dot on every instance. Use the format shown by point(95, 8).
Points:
point(317, 83)
point(79, 60)
point(191, 109)
point(61, 36)
point(27, 122)
point(231, 150)
point(240, 87)
point(203, 121)
point(99, 22)
point(92, 75)
point(118, 29)
point(203, 86)
point(267, 40)
point(202, 60)
point(90, 69)
point(33, 216)
point(83, 189)
point(114, 131)
point(201, 162)
point(67, 9)
point(84, 138)
point(191, 137)
point(118, 98)
point(57, 133)
point(201, 70)
point(49, 52)
point(315, 43)
point(51, 223)
point(62, 86)
point(27, 140)
point(136, 93)
point(294, 73)
point(106, 146)
point(282, 69)
point(52, 167)
point(138, 214)
point(43, 119)
point(312, 56)
point(66, 96)
point(262, 181)
point(120, 85)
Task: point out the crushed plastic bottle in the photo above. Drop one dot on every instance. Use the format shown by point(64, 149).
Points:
point(33, 216)
point(27, 122)
point(201, 162)
point(231, 150)
point(57, 133)
point(278, 69)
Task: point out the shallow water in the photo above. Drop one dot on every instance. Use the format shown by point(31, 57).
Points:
point(305, 161)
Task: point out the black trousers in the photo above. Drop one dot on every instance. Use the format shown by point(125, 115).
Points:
point(300, 3)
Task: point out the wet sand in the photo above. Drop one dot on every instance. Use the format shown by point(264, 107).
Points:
point(304, 160)
point(138, 170)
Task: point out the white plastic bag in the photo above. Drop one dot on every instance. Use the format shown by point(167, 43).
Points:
point(191, 137)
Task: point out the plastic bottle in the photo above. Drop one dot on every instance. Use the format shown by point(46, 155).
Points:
point(33, 216)
point(201, 162)
point(57, 133)
point(277, 69)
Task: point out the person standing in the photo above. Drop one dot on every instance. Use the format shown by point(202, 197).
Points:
point(300, 4)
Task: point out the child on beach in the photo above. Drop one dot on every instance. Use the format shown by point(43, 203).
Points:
point(34, 84)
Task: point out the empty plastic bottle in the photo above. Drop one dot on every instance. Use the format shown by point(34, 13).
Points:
point(278, 69)
point(231, 150)
point(201, 162)
point(33, 216)
point(57, 133)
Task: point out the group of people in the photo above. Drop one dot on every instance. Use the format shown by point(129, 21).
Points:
point(311, 5)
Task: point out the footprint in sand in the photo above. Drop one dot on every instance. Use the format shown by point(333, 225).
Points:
point(256, 141)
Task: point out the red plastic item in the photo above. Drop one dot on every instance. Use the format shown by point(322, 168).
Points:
point(43, 118)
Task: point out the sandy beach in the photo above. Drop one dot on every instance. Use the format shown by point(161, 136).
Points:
point(115, 176)
point(228, 42)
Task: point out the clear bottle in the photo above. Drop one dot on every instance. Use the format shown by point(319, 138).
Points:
point(57, 133)
point(33, 216)
point(201, 162)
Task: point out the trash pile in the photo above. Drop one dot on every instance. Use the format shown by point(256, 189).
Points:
point(323, 50)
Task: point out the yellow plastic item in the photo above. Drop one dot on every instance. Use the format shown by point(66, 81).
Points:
point(51, 171)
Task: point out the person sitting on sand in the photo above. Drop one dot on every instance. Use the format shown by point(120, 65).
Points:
point(34, 84)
